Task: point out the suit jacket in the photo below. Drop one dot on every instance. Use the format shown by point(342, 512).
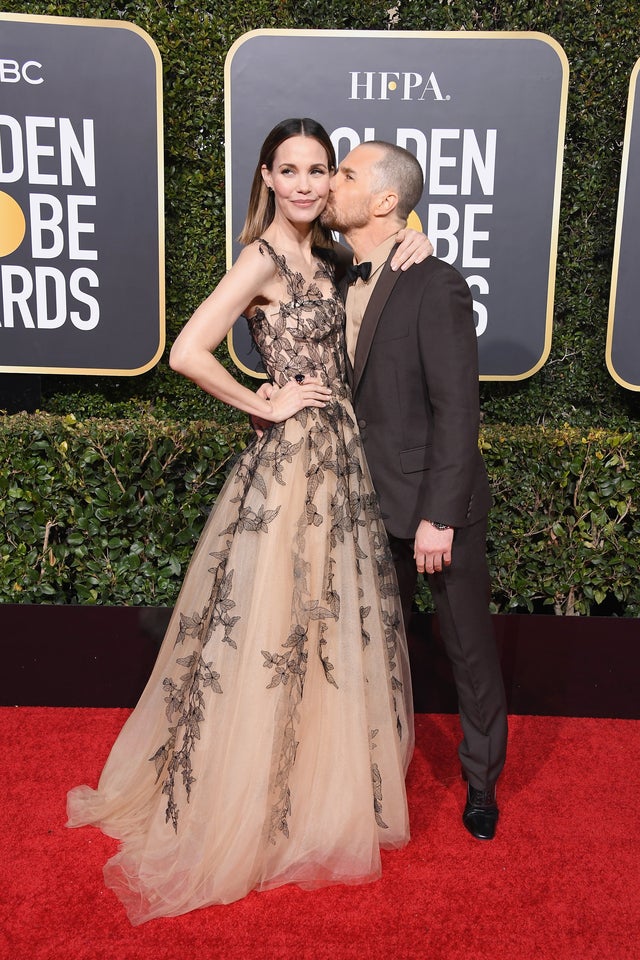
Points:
point(415, 392)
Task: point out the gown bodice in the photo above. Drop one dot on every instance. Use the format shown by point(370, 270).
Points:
point(305, 335)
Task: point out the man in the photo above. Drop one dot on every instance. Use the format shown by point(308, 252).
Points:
point(413, 368)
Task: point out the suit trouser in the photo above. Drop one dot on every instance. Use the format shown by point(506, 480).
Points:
point(461, 598)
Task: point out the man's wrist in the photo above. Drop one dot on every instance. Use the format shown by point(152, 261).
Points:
point(440, 526)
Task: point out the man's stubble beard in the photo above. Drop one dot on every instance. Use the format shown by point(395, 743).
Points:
point(328, 219)
point(331, 218)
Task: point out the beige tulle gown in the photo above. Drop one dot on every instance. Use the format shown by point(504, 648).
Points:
point(271, 741)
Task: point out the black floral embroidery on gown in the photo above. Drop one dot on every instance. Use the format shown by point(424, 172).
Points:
point(303, 337)
point(281, 695)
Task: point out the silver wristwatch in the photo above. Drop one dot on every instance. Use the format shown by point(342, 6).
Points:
point(439, 526)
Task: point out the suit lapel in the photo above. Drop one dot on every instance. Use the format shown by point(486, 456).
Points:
point(379, 296)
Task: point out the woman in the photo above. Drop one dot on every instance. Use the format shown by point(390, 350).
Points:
point(271, 742)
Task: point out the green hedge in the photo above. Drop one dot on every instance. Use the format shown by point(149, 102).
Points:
point(564, 531)
point(104, 512)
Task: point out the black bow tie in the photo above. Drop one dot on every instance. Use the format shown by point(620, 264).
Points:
point(362, 270)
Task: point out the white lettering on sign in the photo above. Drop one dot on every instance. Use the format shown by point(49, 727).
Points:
point(13, 72)
point(46, 158)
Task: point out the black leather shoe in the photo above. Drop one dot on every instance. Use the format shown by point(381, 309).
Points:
point(480, 815)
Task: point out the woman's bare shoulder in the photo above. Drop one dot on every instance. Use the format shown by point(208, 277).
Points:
point(255, 263)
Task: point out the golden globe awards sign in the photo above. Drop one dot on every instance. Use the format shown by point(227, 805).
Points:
point(483, 112)
point(623, 336)
point(81, 243)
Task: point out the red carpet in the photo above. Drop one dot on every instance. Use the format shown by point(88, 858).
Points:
point(561, 879)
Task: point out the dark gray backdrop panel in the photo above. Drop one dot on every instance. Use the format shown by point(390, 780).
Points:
point(512, 83)
point(109, 73)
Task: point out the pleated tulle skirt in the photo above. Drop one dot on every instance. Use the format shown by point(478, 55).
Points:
point(272, 739)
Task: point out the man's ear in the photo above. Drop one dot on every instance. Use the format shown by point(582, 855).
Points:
point(385, 204)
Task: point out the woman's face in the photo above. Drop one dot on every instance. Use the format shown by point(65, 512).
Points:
point(299, 178)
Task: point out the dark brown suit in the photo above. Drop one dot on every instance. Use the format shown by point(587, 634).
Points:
point(415, 393)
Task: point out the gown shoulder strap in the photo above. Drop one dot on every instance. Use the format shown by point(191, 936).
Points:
point(278, 258)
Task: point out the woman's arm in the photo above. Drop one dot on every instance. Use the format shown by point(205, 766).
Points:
point(414, 248)
point(192, 352)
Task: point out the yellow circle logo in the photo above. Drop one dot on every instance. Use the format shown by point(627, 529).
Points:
point(413, 221)
point(12, 224)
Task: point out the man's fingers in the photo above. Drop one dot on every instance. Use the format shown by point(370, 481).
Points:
point(432, 564)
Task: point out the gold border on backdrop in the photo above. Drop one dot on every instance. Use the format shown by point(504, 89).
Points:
point(132, 27)
point(618, 236)
point(430, 34)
